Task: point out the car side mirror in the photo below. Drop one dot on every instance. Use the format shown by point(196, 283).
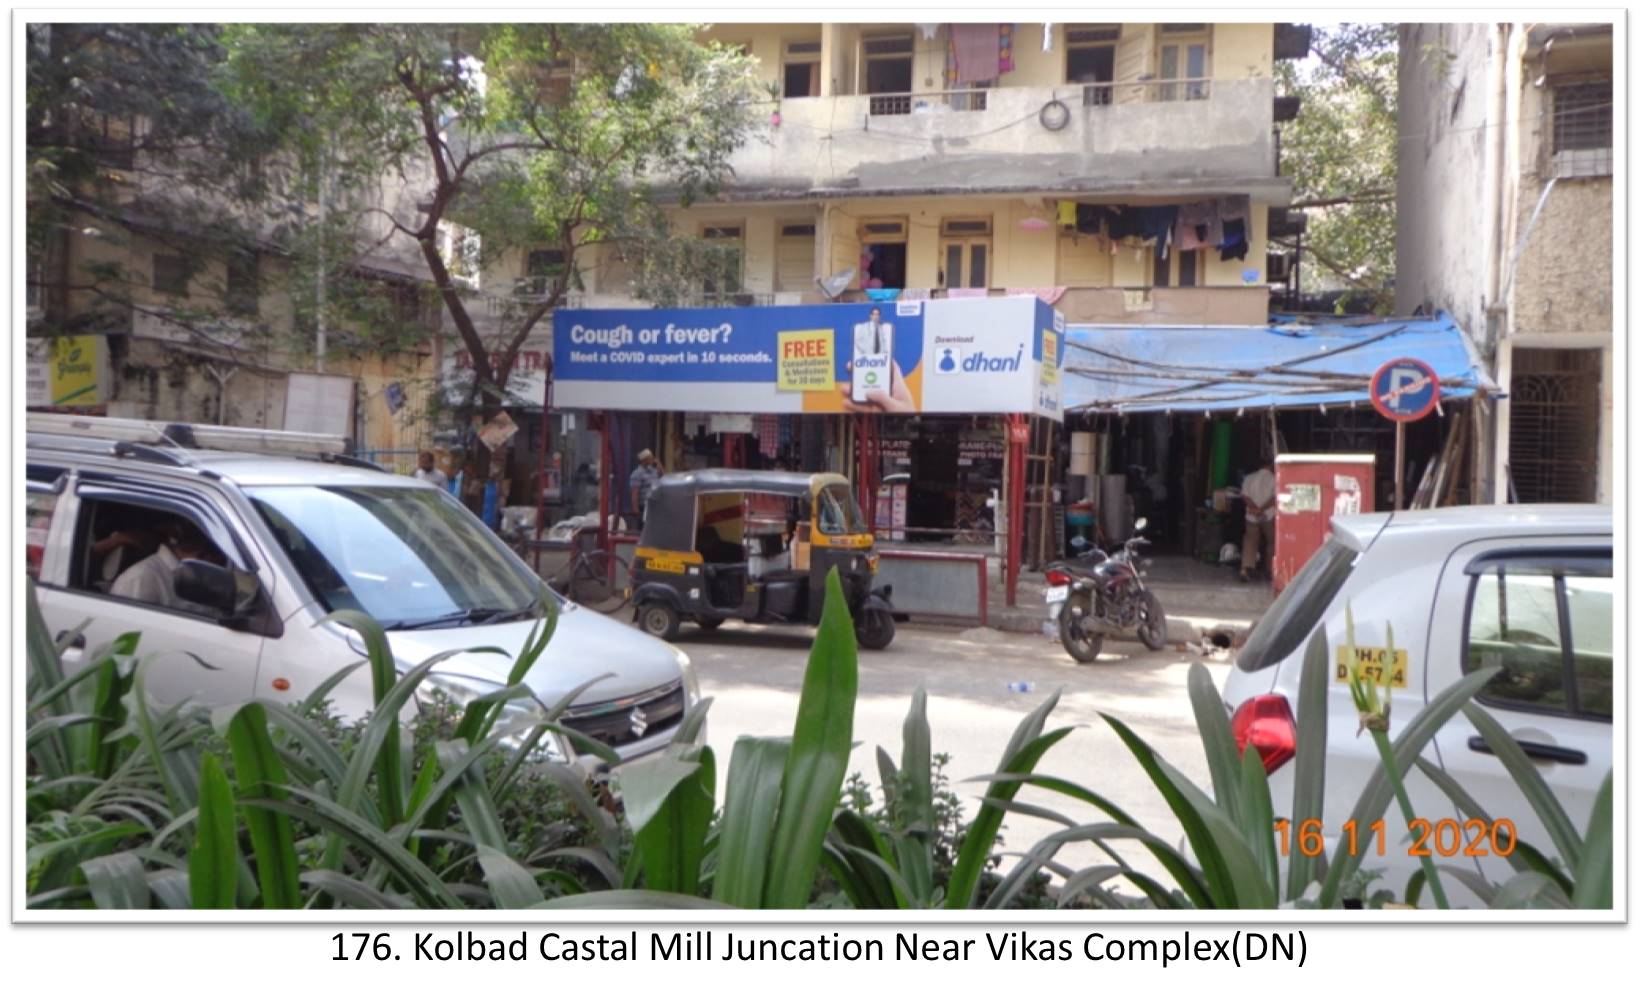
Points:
point(209, 585)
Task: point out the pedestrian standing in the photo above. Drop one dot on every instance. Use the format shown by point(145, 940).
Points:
point(428, 471)
point(643, 479)
point(1257, 491)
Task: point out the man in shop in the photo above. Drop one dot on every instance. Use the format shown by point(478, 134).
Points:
point(1257, 492)
point(643, 479)
point(427, 470)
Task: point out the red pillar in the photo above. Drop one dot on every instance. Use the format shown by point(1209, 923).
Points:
point(1017, 456)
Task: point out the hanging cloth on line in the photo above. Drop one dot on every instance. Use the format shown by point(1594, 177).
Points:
point(1157, 223)
point(977, 49)
point(1194, 225)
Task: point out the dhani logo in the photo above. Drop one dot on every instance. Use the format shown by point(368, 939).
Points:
point(981, 362)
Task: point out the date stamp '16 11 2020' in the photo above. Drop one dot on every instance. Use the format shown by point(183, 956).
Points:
point(1445, 838)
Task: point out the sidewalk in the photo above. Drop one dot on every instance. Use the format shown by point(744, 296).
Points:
point(1200, 600)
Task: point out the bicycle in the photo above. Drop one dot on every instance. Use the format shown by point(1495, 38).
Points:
point(596, 579)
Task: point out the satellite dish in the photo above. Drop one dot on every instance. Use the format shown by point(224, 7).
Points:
point(833, 285)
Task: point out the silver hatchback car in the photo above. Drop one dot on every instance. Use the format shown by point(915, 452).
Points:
point(1528, 588)
point(269, 532)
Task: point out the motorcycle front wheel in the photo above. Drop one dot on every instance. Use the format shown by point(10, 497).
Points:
point(1152, 622)
point(1082, 645)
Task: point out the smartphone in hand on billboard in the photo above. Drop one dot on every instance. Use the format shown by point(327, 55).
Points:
point(872, 357)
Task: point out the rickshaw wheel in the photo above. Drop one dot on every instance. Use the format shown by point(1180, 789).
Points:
point(658, 619)
point(874, 629)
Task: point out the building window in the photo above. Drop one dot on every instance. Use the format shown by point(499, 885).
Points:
point(888, 70)
point(1583, 129)
point(1090, 58)
point(244, 283)
point(1548, 622)
point(410, 307)
point(1553, 424)
point(725, 270)
point(794, 256)
point(965, 252)
point(541, 268)
point(171, 273)
point(800, 74)
point(1185, 56)
point(1583, 116)
point(884, 254)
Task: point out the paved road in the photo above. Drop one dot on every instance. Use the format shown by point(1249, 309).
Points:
point(754, 673)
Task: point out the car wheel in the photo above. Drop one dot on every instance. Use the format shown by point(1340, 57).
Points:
point(659, 620)
point(874, 629)
point(1152, 622)
point(1082, 645)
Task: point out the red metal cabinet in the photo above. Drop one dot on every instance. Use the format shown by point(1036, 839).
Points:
point(1310, 488)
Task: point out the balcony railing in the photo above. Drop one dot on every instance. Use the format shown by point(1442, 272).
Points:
point(884, 104)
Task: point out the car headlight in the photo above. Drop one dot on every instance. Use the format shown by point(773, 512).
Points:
point(690, 680)
point(521, 711)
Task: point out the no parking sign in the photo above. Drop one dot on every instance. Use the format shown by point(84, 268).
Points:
point(1404, 390)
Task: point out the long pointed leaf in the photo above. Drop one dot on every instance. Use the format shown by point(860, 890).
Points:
point(915, 854)
point(1595, 874)
point(511, 885)
point(975, 848)
point(631, 899)
point(1222, 754)
point(213, 861)
point(672, 839)
point(117, 881)
point(261, 777)
point(817, 763)
point(750, 808)
point(1530, 783)
point(1308, 788)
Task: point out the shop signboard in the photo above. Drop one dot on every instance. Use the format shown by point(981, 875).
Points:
point(969, 356)
point(67, 371)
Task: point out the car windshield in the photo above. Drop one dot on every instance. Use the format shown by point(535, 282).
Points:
point(1293, 615)
point(405, 556)
point(839, 514)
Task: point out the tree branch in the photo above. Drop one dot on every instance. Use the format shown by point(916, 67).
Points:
point(1363, 197)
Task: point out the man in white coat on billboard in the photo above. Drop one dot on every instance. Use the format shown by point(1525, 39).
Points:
point(876, 383)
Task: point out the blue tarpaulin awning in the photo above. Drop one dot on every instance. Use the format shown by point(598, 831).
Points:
point(1288, 363)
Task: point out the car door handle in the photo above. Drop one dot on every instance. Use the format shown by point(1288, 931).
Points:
point(1541, 752)
point(77, 643)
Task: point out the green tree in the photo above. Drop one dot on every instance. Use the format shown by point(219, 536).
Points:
point(119, 119)
point(1341, 153)
point(563, 136)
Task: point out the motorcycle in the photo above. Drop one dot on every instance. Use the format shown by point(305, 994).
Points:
point(1101, 594)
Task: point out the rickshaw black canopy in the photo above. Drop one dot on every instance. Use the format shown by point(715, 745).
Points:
point(668, 523)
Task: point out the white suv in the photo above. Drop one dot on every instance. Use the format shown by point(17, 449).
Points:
point(1526, 587)
point(286, 541)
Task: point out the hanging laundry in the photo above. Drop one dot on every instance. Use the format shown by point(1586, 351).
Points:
point(1158, 223)
point(1234, 207)
point(977, 50)
point(1089, 219)
point(1235, 240)
point(1066, 214)
point(1194, 225)
point(1123, 222)
point(767, 435)
point(1007, 33)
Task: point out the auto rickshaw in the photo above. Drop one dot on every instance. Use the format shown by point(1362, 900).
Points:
point(756, 546)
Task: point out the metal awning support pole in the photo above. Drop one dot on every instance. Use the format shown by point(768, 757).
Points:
point(1017, 453)
point(541, 475)
point(605, 492)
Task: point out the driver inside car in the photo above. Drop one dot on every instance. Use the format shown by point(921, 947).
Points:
point(153, 579)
